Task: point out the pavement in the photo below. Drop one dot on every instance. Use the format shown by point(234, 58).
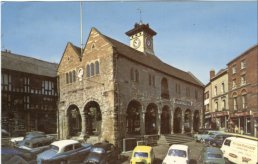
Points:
point(160, 152)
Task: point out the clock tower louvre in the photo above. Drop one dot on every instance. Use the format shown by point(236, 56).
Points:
point(141, 38)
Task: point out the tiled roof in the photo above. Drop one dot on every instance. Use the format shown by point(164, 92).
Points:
point(153, 62)
point(27, 64)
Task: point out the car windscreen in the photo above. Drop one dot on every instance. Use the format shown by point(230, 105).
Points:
point(141, 154)
point(53, 147)
point(213, 155)
point(97, 150)
point(177, 153)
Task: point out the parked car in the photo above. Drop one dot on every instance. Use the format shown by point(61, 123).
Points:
point(142, 155)
point(102, 153)
point(211, 155)
point(17, 155)
point(20, 141)
point(217, 140)
point(206, 134)
point(64, 151)
point(177, 153)
point(37, 145)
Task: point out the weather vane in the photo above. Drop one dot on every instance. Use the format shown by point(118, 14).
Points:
point(140, 11)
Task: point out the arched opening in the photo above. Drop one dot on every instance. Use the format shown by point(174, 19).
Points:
point(74, 121)
point(151, 119)
point(165, 119)
point(164, 89)
point(196, 121)
point(93, 118)
point(177, 124)
point(133, 117)
point(187, 120)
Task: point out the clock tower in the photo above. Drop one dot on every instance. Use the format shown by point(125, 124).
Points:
point(141, 38)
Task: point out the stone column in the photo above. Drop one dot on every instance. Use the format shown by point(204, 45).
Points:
point(182, 122)
point(172, 121)
point(83, 131)
point(142, 124)
point(158, 122)
point(192, 122)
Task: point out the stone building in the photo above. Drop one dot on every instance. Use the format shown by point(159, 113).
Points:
point(111, 91)
point(216, 100)
point(29, 94)
point(243, 91)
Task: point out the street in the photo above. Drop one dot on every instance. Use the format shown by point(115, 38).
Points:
point(160, 152)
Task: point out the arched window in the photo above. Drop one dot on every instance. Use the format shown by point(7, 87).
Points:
point(92, 69)
point(88, 70)
point(74, 76)
point(136, 76)
point(70, 77)
point(164, 89)
point(97, 67)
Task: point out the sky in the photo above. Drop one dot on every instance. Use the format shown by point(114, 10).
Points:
point(194, 36)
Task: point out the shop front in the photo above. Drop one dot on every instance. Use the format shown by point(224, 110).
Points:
point(221, 119)
point(241, 122)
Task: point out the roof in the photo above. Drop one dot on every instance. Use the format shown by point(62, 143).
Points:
point(26, 64)
point(179, 146)
point(142, 148)
point(63, 143)
point(153, 62)
point(244, 53)
point(141, 27)
point(212, 150)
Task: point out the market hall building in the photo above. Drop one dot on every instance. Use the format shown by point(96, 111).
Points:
point(112, 91)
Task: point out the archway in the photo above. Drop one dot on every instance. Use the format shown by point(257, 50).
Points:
point(93, 118)
point(133, 117)
point(74, 121)
point(187, 120)
point(165, 119)
point(177, 124)
point(196, 121)
point(151, 119)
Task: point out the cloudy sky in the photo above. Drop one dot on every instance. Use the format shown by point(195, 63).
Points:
point(192, 36)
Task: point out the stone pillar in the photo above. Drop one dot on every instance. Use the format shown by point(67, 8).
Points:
point(192, 122)
point(172, 122)
point(83, 131)
point(182, 122)
point(158, 122)
point(142, 122)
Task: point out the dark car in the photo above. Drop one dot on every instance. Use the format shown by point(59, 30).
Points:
point(29, 136)
point(37, 145)
point(102, 153)
point(211, 155)
point(64, 151)
point(17, 155)
point(217, 140)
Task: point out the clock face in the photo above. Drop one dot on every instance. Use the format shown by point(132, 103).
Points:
point(136, 43)
point(148, 42)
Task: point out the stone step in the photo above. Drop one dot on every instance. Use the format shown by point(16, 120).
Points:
point(174, 139)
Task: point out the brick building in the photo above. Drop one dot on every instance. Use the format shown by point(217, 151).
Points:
point(243, 91)
point(29, 94)
point(111, 91)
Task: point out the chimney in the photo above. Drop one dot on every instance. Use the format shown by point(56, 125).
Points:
point(212, 73)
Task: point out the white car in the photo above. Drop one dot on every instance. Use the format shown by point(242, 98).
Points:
point(177, 154)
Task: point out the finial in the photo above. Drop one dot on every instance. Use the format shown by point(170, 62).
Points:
point(140, 11)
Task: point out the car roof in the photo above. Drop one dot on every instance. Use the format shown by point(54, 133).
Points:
point(143, 148)
point(179, 146)
point(103, 145)
point(212, 150)
point(63, 143)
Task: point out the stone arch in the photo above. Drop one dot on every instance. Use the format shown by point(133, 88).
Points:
point(177, 122)
point(133, 119)
point(74, 120)
point(93, 118)
point(151, 116)
point(187, 120)
point(165, 120)
point(196, 121)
